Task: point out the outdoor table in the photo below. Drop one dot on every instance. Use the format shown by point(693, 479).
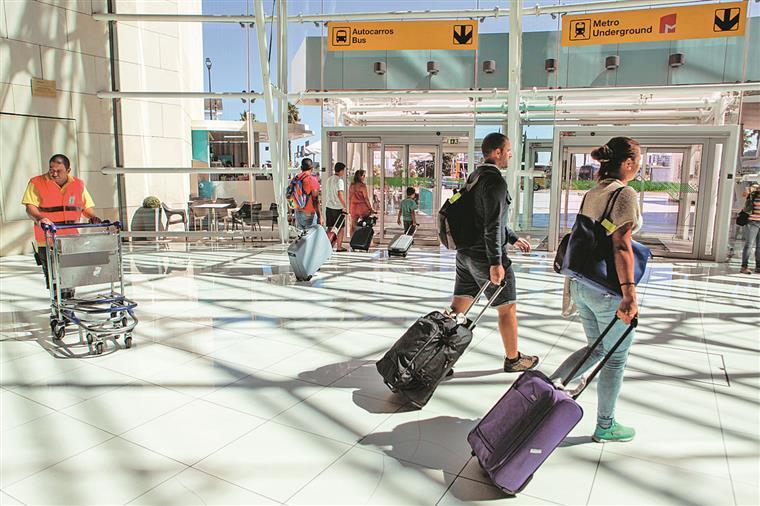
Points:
point(213, 207)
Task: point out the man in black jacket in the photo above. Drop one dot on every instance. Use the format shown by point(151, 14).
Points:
point(487, 259)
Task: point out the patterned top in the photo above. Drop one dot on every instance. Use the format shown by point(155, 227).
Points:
point(755, 215)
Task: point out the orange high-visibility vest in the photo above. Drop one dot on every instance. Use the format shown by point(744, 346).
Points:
point(62, 206)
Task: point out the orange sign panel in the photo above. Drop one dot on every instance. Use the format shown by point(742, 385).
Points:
point(650, 25)
point(399, 35)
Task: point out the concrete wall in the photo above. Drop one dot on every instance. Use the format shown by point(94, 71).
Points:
point(59, 40)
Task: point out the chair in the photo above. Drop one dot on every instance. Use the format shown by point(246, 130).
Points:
point(273, 212)
point(199, 215)
point(224, 214)
point(256, 215)
point(170, 213)
point(245, 215)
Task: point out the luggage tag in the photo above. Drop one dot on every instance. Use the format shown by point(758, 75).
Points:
point(455, 197)
point(608, 225)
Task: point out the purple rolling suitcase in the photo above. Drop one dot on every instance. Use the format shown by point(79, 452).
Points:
point(529, 422)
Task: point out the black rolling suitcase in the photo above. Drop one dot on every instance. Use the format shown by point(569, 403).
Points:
point(418, 362)
point(362, 236)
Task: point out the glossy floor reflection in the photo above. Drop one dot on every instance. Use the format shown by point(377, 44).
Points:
point(244, 388)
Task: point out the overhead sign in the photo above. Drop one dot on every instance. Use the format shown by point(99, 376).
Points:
point(649, 25)
point(400, 35)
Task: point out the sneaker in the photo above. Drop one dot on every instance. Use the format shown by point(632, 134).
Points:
point(745, 270)
point(521, 363)
point(617, 433)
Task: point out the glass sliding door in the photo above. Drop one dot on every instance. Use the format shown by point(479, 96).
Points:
point(668, 187)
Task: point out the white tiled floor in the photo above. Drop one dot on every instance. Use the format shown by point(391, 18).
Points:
point(244, 388)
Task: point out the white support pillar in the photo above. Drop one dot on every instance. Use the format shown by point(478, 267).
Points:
point(282, 82)
point(279, 196)
point(514, 127)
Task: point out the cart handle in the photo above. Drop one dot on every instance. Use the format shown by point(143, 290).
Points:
point(102, 224)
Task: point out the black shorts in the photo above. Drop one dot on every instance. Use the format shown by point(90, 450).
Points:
point(473, 273)
point(331, 217)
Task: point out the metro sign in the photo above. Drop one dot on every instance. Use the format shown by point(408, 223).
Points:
point(706, 20)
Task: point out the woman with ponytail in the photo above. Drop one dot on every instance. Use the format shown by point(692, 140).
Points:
point(620, 161)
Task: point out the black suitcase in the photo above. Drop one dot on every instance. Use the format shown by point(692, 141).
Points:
point(362, 236)
point(418, 362)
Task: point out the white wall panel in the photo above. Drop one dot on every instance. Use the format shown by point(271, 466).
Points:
point(36, 23)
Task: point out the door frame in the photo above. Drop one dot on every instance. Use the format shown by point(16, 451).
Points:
point(712, 202)
point(396, 136)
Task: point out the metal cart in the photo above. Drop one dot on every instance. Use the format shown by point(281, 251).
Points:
point(77, 260)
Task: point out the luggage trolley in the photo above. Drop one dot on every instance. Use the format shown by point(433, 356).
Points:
point(76, 260)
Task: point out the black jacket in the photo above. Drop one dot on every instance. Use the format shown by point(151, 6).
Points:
point(492, 202)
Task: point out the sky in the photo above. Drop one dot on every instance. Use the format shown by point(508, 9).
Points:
point(225, 43)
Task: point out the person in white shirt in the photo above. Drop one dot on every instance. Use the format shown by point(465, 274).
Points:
point(335, 203)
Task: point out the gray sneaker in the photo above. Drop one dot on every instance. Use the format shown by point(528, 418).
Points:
point(522, 363)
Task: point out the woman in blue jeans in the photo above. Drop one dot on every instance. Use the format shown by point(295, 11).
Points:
point(751, 229)
point(620, 161)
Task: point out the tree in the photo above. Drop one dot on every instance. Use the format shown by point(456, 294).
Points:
point(294, 115)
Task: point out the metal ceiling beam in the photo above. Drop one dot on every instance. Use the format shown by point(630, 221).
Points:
point(495, 12)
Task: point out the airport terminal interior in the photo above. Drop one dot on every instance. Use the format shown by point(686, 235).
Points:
point(195, 345)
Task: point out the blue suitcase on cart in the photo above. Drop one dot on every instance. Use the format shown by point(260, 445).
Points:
point(309, 251)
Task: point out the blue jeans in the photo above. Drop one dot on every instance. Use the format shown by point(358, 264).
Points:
point(596, 311)
point(305, 220)
point(751, 238)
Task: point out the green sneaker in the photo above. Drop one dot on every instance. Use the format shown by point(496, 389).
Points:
point(617, 433)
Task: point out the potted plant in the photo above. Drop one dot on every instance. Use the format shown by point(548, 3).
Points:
point(147, 218)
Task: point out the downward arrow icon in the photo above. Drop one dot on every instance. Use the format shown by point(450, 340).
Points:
point(726, 23)
point(461, 35)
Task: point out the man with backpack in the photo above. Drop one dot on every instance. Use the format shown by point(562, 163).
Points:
point(303, 196)
point(486, 259)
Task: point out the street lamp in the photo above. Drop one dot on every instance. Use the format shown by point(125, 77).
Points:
point(208, 66)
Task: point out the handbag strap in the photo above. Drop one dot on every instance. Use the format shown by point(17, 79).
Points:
point(593, 347)
point(611, 203)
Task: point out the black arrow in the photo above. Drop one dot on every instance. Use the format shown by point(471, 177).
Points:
point(463, 37)
point(727, 23)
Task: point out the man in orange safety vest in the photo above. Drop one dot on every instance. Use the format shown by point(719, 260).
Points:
point(57, 198)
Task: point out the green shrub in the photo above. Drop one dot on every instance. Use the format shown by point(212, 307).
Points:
point(151, 202)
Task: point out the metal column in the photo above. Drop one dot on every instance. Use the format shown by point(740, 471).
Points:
point(514, 128)
point(277, 171)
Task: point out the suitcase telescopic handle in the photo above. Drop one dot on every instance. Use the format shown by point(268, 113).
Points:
point(591, 349)
point(483, 288)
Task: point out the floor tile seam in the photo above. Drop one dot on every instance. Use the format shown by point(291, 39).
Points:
point(352, 446)
point(717, 407)
point(354, 443)
point(269, 367)
point(12, 496)
point(490, 483)
point(705, 474)
point(31, 400)
point(596, 474)
point(207, 474)
point(332, 463)
point(130, 501)
point(266, 419)
point(260, 423)
point(120, 434)
point(113, 436)
point(456, 477)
